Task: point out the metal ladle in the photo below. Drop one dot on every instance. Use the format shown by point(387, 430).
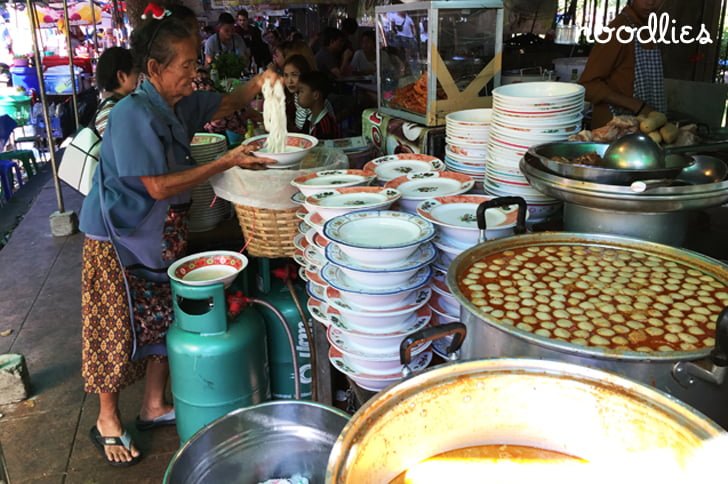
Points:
point(705, 169)
point(638, 152)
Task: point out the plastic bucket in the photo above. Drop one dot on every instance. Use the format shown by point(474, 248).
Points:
point(24, 77)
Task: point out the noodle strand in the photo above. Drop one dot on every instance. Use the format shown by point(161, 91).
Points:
point(274, 116)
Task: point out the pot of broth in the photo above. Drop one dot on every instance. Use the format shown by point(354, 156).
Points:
point(647, 311)
point(508, 420)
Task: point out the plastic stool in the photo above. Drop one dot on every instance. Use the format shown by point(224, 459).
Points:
point(26, 157)
point(6, 177)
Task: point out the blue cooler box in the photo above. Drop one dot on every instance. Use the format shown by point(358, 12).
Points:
point(59, 83)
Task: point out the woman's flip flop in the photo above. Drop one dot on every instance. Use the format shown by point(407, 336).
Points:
point(102, 442)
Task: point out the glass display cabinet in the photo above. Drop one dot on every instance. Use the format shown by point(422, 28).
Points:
point(437, 57)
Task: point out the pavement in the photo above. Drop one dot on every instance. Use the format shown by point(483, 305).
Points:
point(45, 438)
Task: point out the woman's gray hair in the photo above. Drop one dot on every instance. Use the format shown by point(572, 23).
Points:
point(154, 38)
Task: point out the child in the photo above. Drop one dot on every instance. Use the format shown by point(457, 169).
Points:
point(313, 88)
point(293, 68)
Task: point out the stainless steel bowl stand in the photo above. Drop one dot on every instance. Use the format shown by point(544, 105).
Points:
point(668, 228)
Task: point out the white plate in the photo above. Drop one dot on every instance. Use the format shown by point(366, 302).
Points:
point(330, 179)
point(439, 283)
point(376, 382)
point(384, 363)
point(449, 250)
point(392, 166)
point(422, 186)
point(337, 279)
point(469, 118)
point(441, 264)
point(398, 235)
point(299, 258)
point(444, 306)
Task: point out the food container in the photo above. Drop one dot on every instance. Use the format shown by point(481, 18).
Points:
point(437, 57)
point(695, 376)
point(254, 444)
point(614, 423)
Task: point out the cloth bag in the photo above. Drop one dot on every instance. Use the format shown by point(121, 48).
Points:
point(82, 155)
point(81, 159)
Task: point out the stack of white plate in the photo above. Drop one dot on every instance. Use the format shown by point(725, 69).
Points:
point(373, 292)
point(467, 134)
point(207, 147)
point(525, 115)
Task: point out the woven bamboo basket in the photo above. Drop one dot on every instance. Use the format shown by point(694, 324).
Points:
point(268, 232)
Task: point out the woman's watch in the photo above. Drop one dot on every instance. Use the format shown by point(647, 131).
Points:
point(639, 110)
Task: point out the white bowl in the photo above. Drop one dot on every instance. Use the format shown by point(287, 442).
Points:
point(334, 277)
point(535, 92)
point(330, 179)
point(391, 166)
point(208, 268)
point(375, 321)
point(366, 362)
point(390, 300)
point(469, 118)
point(398, 235)
point(376, 382)
point(297, 147)
point(384, 342)
point(455, 218)
point(333, 203)
point(381, 278)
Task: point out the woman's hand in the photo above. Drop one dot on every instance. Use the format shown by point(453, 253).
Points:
point(243, 157)
point(269, 74)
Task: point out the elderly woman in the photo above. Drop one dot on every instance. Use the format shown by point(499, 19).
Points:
point(135, 223)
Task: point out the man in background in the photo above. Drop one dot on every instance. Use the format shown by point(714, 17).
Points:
point(253, 39)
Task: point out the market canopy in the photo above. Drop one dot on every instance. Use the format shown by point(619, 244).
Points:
point(80, 13)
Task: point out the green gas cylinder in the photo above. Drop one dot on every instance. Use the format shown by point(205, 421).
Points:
point(216, 365)
point(275, 292)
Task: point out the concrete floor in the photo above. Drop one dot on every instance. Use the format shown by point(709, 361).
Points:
point(45, 438)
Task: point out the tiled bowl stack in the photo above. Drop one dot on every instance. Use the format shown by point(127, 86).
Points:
point(467, 134)
point(372, 292)
point(454, 218)
point(207, 147)
point(525, 115)
point(310, 231)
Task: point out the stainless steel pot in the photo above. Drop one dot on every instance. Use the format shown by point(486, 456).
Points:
point(695, 377)
point(579, 411)
point(254, 444)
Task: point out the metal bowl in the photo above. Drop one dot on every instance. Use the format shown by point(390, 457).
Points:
point(674, 164)
point(254, 444)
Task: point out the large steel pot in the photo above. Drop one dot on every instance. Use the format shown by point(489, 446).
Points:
point(254, 444)
point(594, 415)
point(695, 377)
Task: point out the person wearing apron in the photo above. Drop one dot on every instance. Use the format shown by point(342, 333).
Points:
point(135, 222)
point(225, 40)
point(625, 78)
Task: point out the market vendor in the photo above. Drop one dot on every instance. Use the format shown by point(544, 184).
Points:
point(625, 78)
point(135, 221)
point(225, 40)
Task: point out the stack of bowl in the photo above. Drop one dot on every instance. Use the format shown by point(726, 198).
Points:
point(467, 134)
point(524, 115)
point(309, 242)
point(204, 148)
point(389, 167)
point(373, 292)
point(454, 218)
